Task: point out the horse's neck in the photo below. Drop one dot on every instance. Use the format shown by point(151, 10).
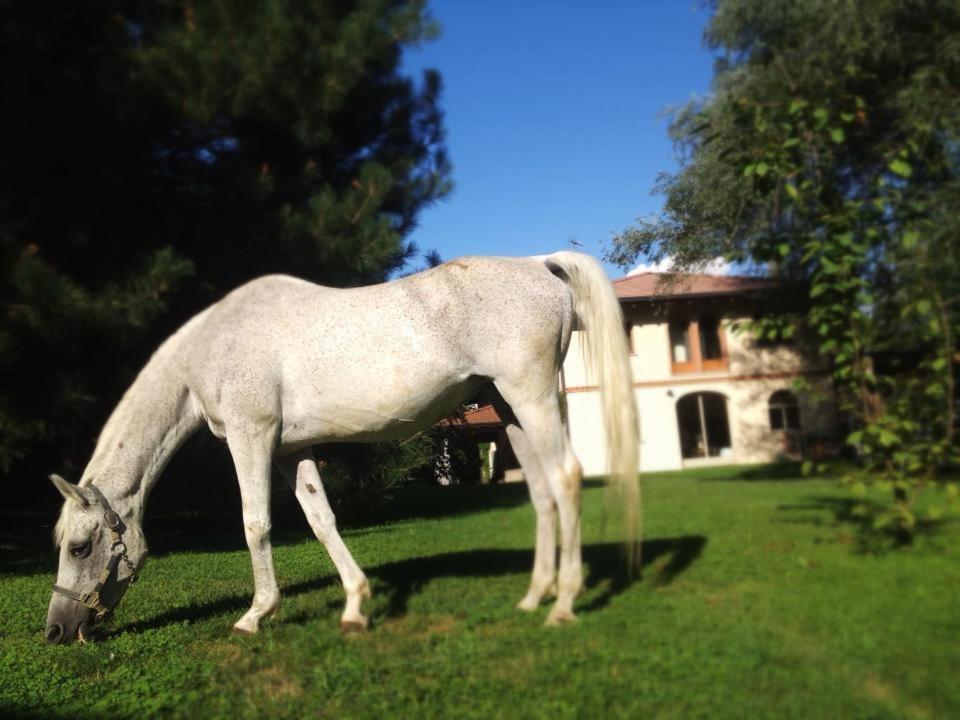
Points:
point(152, 420)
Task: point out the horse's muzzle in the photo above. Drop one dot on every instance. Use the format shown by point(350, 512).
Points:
point(58, 634)
point(68, 621)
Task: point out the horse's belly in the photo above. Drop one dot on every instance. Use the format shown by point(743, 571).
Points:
point(386, 416)
point(344, 424)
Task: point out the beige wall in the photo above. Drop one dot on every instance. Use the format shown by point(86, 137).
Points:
point(754, 373)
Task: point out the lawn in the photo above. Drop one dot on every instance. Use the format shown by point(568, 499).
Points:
point(755, 602)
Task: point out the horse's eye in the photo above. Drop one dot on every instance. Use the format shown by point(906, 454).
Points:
point(80, 551)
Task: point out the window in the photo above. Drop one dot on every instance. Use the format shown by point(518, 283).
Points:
point(628, 331)
point(680, 343)
point(710, 347)
point(784, 411)
point(697, 345)
point(704, 428)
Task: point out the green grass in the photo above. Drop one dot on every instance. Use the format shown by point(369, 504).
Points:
point(754, 603)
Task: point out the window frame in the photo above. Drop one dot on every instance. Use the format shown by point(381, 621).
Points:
point(781, 408)
point(696, 362)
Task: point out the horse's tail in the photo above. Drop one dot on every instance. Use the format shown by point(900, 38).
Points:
point(608, 359)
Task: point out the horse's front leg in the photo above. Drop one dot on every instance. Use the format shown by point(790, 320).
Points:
point(251, 456)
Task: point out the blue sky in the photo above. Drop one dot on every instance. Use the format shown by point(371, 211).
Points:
point(554, 116)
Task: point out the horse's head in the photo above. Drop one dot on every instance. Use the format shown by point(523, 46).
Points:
point(101, 550)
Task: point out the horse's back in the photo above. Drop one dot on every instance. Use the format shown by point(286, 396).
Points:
point(499, 308)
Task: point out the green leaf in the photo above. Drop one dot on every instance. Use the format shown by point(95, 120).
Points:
point(910, 239)
point(807, 467)
point(820, 114)
point(923, 306)
point(797, 105)
point(901, 168)
point(784, 248)
point(761, 168)
point(887, 438)
point(792, 190)
point(837, 135)
point(749, 170)
point(791, 142)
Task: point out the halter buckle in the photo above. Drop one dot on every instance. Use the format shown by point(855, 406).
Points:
point(111, 519)
point(91, 599)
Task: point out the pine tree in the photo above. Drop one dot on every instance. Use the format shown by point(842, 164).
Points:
point(154, 155)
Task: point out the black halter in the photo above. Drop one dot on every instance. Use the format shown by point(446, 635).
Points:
point(92, 599)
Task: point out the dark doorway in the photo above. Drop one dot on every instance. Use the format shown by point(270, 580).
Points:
point(704, 428)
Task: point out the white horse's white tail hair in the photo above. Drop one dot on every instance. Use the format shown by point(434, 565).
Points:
point(608, 359)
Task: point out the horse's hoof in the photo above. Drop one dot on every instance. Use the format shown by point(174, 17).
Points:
point(528, 604)
point(560, 617)
point(244, 630)
point(351, 627)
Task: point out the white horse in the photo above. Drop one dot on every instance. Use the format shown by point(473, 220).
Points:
point(280, 365)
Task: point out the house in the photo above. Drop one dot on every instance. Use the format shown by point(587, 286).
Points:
point(707, 392)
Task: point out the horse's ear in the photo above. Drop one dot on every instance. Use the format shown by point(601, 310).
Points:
point(70, 492)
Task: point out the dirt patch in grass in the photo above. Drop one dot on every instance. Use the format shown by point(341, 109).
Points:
point(229, 653)
point(274, 682)
point(876, 689)
point(415, 628)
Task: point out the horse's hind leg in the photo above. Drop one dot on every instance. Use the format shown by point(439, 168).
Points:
point(300, 470)
point(543, 579)
point(539, 416)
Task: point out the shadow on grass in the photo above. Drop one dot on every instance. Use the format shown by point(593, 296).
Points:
point(663, 560)
point(786, 471)
point(782, 471)
point(859, 516)
point(667, 558)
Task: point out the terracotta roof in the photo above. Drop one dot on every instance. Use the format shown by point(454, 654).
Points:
point(647, 285)
point(483, 415)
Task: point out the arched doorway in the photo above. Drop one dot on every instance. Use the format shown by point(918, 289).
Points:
point(704, 427)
